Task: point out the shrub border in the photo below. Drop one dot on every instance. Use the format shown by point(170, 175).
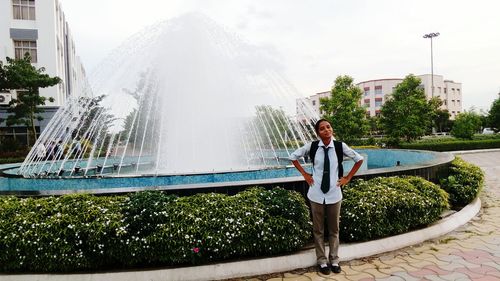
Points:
point(251, 267)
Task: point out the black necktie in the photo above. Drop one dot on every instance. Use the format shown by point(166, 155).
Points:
point(325, 181)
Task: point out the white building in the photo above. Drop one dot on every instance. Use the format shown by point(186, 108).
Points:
point(39, 27)
point(376, 92)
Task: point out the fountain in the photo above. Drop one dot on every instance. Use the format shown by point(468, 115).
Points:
point(182, 103)
point(182, 96)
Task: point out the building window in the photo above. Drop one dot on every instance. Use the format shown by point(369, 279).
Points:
point(378, 90)
point(378, 102)
point(23, 47)
point(445, 90)
point(367, 102)
point(377, 113)
point(23, 9)
point(367, 91)
point(314, 102)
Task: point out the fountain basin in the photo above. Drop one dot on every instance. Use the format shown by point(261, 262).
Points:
point(381, 162)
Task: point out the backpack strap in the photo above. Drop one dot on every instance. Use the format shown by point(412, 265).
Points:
point(340, 156)
point(312, 151)
point(338, 151)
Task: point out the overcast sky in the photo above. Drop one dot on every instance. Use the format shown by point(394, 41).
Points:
point(319, 40)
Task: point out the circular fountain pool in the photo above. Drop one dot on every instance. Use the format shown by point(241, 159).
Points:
point(381, 162)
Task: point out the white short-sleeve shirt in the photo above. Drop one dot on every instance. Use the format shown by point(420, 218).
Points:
point(315, 194)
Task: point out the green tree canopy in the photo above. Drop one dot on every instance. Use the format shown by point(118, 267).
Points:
point(442, 120)
point(407, 114)
point(21, 75)
point(3, 77)
point(343, 111)
point(466, 124)
point(494, 114)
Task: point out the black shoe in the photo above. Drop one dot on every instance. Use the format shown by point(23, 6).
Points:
point(324, 270)
point(336, 268)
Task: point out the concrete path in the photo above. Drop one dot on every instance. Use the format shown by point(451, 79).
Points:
point(471, 252)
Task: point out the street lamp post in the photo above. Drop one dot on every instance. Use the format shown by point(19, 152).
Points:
point(432, 35)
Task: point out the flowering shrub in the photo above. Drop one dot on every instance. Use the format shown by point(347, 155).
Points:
point(464, 182)
point(58, 234)
point(388, 206)
point(81, 232)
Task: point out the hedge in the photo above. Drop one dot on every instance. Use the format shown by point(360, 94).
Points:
point(85, 232)
point(463, 183)
point(451, 145)
point(382, 207)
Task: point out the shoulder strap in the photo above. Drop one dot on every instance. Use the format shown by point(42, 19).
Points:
point(340, 156)
point(338, 151)
point(312, 151)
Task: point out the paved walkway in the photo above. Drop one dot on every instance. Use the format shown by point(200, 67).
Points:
point(471, 252)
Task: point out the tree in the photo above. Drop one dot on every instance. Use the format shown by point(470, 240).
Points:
point(3, 78)
point(466, 124)
point(374, 124)
point(494, 114)
point(442, 120)
point(20, 75)
point(343, 110)
point(407, 113)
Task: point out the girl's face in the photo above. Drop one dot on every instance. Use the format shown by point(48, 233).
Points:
point(325, 131)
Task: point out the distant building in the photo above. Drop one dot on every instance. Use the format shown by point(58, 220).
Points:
point(376, 92)
point(40, 28)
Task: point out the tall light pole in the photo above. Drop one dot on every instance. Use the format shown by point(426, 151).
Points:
point(432, 35)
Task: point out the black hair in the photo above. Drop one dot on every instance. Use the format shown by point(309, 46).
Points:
point(316, 126)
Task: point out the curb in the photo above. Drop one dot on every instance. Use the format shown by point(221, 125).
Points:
point(301, 259)
point(474, 151)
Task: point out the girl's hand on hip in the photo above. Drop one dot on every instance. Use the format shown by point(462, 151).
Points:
point(342, 181)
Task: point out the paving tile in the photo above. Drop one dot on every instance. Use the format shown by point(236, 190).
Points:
point(360, 276)
point(485, 278)
point(454, 276)
point(434, 278)
point(313, 276)
point(294, 277)
point(375, 273)
point(391, 270)
point(469, 272)
point(494, 274)
point(438, 270)
point(493, 264)
point(451, 266)
point(362, 267)
point(391, 278)
point(423, 272)
point(424, 256)
point(483, 269)
point(406, 276)
point(275, 279)
point(394, 261)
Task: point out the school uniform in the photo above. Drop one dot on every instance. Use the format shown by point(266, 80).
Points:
point(329, 201)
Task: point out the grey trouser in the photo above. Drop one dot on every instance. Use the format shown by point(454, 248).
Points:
point(332, 216)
